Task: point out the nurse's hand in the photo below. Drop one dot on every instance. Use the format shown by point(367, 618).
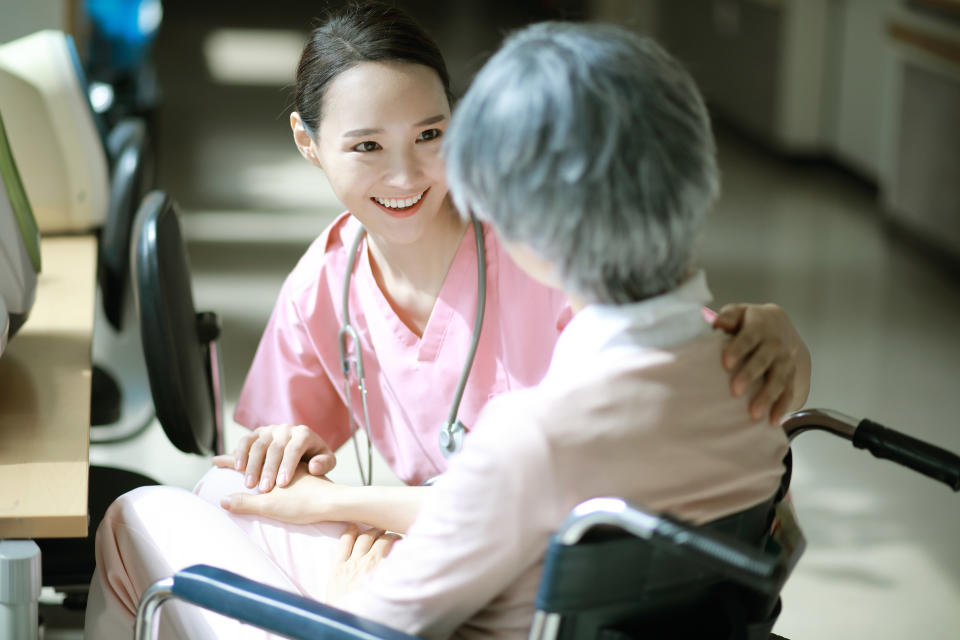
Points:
point(268, 456)
point(358, 553)
point(765, 347)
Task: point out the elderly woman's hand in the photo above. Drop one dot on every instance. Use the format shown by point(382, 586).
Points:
point(359, 553)
point(306, 499)
point(765, 347)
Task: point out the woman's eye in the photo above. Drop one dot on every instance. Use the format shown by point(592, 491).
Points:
point(366, 146)
point(429, 134)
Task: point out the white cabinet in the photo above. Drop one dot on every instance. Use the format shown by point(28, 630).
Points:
point(859, 76)
point(760, 63)
point(809, 77)
point(921, 185)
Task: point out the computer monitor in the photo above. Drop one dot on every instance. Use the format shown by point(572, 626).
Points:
point(19, 240)
point(53, 132)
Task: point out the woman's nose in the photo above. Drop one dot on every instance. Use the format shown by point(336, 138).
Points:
point(405, 169)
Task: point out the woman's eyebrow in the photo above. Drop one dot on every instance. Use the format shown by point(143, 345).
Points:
point(431, 120)
point(359, 133)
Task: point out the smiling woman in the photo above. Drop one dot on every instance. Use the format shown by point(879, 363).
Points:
point(378, 143)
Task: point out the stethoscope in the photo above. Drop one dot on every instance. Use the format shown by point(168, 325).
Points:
point(452, 431)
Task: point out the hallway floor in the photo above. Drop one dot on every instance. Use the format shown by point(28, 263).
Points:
point(879, 315)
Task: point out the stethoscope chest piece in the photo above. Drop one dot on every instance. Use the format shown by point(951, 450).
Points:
point(451, 438)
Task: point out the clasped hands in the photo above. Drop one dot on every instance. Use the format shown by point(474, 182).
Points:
point(304, 500)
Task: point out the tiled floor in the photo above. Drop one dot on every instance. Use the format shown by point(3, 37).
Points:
point(879, 316)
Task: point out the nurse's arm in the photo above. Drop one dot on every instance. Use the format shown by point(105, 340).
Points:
point(309, 499)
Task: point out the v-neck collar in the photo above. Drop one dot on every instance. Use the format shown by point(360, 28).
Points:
point(458, 285)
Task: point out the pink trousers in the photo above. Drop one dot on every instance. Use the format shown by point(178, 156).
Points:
point(152, 532)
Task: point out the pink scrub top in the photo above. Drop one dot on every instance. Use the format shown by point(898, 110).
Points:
point(296, 377)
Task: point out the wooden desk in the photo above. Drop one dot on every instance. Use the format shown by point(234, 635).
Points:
point(45, 399)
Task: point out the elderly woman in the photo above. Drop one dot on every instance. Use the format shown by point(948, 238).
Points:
point(589, 151)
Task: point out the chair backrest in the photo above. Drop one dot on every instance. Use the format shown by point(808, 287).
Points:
point(614, 571)
point(4, 325)
point(19, 242)
point(131, 178)
point(179, 344)
point(53, 132)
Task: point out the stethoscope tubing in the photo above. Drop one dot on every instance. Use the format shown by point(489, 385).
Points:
point(452, 431)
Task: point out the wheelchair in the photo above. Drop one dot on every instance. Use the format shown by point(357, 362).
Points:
point(612, 571)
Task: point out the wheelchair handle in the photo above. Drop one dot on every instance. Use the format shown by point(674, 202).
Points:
point(922, 457)
point(882, 442)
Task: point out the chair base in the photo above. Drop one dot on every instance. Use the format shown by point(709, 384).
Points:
point(122, 405)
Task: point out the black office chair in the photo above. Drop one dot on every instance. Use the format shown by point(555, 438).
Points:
point(132, 177)
point(120, 405)
point(612, 571)
point(179, 346)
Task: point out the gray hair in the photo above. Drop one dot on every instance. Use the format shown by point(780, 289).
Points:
point(591, 146)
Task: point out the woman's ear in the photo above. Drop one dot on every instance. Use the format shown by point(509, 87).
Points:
point(303, 140)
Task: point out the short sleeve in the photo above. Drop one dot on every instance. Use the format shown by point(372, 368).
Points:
point(287, 382)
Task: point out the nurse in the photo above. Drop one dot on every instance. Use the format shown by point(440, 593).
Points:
point(372, 103)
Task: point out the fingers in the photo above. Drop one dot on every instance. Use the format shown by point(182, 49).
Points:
point(782, 406)
point(730, 317)
point(242, 449)
point(304, 442)
point(775, 377)
point(321, 464)
point(301, 441)
point(383, 545)
point(347, 541)
point(740, 347)
point(269, 456)
point(240, 503)
point(271, 464)
point(365, 541)
point(757, 364)
point(224, 461)
point(255, 457)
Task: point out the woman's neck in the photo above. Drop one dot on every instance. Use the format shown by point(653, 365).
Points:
point(411, 275)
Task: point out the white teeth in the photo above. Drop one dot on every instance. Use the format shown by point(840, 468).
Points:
point(400, 203)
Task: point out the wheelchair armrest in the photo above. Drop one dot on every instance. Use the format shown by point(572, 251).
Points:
point(263, 606)
point(732, 558)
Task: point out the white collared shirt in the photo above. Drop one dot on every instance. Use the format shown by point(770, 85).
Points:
point(660, 322)
point(635, 404)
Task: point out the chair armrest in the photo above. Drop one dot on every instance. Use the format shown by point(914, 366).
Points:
point(270, 608)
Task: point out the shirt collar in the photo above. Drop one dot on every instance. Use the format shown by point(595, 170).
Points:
point(659, 322)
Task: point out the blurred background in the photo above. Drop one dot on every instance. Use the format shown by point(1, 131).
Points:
point(838, 124)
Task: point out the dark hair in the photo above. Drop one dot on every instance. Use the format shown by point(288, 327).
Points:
point(360, 32)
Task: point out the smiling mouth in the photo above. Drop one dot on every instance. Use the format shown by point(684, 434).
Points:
point(400, 206)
